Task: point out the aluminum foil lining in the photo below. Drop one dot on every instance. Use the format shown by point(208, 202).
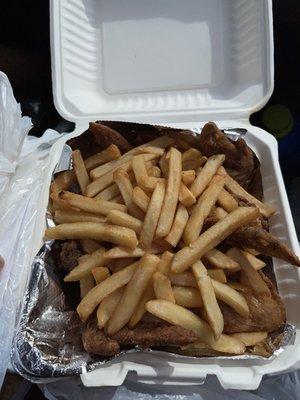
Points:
point(47, 342)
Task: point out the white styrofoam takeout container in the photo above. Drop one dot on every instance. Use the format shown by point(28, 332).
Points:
point(177, 63)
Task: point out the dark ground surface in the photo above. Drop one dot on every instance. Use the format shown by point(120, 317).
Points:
point(25, 58)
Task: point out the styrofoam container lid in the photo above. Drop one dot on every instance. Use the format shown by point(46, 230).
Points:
point(161, 61)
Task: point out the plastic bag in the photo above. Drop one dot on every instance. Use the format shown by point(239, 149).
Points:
point(23, 161)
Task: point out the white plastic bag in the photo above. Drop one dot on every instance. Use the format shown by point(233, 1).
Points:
point(23, 161)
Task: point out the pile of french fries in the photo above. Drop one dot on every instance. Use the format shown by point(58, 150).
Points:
point(139, 219)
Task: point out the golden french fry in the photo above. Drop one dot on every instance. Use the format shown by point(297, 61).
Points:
point(63, 181)
point(254, 279)
point(162, 287)
point(162, 141)
point(164, 165)
point(212, 237)
point(99, 292)
point(188, 176)
point(171, 197)
point(123, 219)
point(165, 263)
point(86, 284)
point(205, 176)
point(140, 310)
point(126, 189)
point(180, 316)
point(188, 297)
point(112, 152)
point(117, 264)
point(211, 306)
point(80, 170)
point(227, 201)
point(231, 297)
point(179, 224)
point(140, 198)
point(238, 286)
point(219, 213)
point(186, 197)
point(220, 260)
point(151, 149)
point(260, 350)
point(250, 338)
point(154, 171)
point(252, 251)
point(195, 164)
point(235, 188)
point(91, 230)
point(100, 273)
point(202, 209)
point(217, 275)
point(123, 252)
point(152, 216)
point(109, 193)
point(225, 344)
point(145, 181)
point(107, 307)
point(97, 206)
point(255, 262)
point(183, 279)
point(191, 154)
point(132, 293)
point(89, 245)
point(65, 216)
point(84, 268)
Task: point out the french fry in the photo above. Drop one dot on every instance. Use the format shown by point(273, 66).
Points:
point(140, 198)
point(238, 286)
point(231, 297)
point(80, 170)
point(180, 316)
point(151, 149)
point(152, 216)
point(100, 273)
point(194, 164)
point(171, 197)
point(97, 206)
point(213, 311)
point(109, 193)
point(183, 279)
point(219, 213)
point(145, 181)
point(186, 197)
point(164, 165)
point(260, 350)
point(250, 338)
point(217, 275)
point(154, 171)
point(220, 260)
point(162, 287)
point(89, 245)
point(227, 201)
point(86, 284)
point(165, 263)
point(123, 219)
point(112, 152)
point(162, 141)
point(66, 216)
point(99, 292)
point(178, 226)
point(85, 266)
point(124, 252)
point(132, 293)
point(63, 181)
point(126, 189)
point(235, 188)
point(188, 176)
point(188, 297)
point(225, 344)
point(140, 310)
point(191, 154)
point(202, 209)
point(252, 251)
point(205, 176)
point(107, 307)
point(91, 230)
point(255, 262)
point(253, 277)
point(117, 264)
point(212, 237)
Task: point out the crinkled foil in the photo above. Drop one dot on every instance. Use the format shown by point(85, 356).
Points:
point(47, 343)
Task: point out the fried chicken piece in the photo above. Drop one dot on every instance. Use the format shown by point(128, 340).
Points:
point(240, 161)
point(69, 255)
point(95, 341)
point(104, 135)
point(267, 313)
